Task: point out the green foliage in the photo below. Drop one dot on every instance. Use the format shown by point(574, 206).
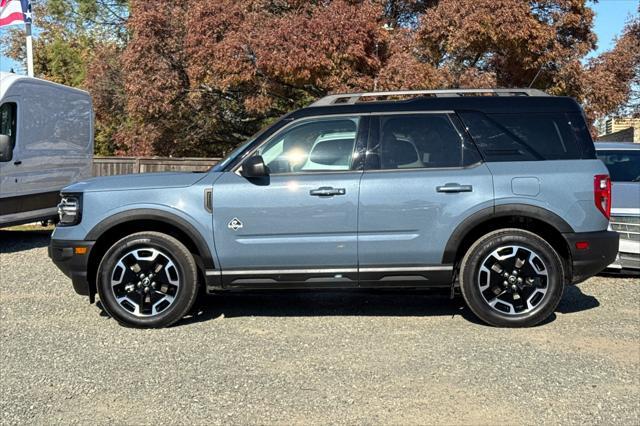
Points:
point(67, 35)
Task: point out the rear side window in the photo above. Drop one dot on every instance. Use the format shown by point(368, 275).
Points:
point(414, 141)
point(529, 137)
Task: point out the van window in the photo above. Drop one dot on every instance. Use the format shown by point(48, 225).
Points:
point(528, 137)
point(59, 119)
point(8, 121)
point(415, 141)
point(312, 146)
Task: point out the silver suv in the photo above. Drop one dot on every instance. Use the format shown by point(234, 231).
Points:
point(623, 161)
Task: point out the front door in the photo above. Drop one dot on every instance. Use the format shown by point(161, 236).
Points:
point(298, 227)
point(8, 127)
point(422, 178)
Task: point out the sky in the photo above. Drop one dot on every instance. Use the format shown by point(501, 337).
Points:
point(611, 15)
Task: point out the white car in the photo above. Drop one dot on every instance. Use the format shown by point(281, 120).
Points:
point(623, 161)
point(46, 143)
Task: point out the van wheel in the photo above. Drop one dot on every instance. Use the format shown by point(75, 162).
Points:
point(147, 279)
point(512, 278)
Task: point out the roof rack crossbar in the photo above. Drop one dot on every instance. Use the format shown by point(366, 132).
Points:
point(352, 98)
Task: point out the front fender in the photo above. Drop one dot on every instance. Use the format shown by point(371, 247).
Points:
point(185, 223)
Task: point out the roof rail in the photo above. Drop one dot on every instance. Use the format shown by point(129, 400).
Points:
point(352, 98)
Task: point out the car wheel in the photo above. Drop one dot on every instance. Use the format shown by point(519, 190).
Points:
point(512, 278)
point(147, 279)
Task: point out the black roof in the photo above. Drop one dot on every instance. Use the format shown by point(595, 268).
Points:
point(486, 104)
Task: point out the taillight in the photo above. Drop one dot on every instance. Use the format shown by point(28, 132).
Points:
point(602, 194)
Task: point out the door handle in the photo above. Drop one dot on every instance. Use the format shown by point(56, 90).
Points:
point(327, 191)
point(17, 163)
point(454, 187)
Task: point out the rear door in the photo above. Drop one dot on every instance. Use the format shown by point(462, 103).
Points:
point(422, 178)
point(298, 227)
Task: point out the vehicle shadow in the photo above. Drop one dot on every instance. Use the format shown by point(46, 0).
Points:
point(13, 241)
point(357, 303)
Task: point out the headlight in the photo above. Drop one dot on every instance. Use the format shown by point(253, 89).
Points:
point(70, 209)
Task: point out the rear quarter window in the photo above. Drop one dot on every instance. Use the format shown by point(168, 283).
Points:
point(529, 136)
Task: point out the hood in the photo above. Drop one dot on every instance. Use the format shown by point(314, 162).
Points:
point(136, 181)
point(625, 195)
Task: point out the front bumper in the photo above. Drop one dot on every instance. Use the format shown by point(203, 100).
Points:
point(602, 251)
point(74, 266)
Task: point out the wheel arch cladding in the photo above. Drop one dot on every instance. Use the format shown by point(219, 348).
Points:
point(542, 222)
point(116, 227)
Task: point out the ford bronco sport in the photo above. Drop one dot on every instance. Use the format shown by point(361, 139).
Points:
point(495, 193)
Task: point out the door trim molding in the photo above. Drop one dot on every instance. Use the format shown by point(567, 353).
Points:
point(331, 270)
point(409, 269)
point(288, 271)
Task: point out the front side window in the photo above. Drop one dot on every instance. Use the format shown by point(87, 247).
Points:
point(415, 141)
point(8, 115)
point(312, 146)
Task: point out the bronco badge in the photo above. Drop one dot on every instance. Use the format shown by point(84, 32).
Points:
point(235, 224)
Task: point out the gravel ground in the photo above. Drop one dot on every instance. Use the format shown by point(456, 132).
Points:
point(300, 358)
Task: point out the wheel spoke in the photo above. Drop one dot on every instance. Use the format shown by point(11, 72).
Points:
point(126, 299)
point(539, 290)
point(495, 301)
point(167, 298)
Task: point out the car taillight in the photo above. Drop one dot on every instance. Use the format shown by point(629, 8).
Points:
point(602, 194)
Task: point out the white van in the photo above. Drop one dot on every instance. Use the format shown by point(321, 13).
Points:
point(46, 143)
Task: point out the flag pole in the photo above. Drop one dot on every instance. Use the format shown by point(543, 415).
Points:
point(29, 51)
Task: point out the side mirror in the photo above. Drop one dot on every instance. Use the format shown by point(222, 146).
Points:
point(6, 150)
point(254, 167)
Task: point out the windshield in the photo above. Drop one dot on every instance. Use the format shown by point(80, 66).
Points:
point(229, 158)
point(624, 166)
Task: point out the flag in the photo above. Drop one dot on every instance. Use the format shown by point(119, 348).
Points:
point(15, 12)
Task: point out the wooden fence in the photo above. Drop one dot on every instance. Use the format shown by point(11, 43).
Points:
point(109, 166)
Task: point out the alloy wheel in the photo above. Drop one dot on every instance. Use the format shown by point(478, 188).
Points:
point(513, 280)
point(145, 282)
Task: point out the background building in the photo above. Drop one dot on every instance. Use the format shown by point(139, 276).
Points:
point(621, 129)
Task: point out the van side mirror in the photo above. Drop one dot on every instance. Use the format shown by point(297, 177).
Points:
point(254, 167)
point(6, 149)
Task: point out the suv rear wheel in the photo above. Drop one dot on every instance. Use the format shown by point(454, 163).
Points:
point(512, 278)
point(147, 279)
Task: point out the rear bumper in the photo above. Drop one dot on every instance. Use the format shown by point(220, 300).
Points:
point(602, 251)
point(628, 255)
point(71, 264)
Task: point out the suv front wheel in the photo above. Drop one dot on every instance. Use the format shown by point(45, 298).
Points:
point(512, 278)
point(147, 279)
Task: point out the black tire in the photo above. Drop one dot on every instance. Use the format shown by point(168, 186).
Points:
point(178, 278)
point(505, 240)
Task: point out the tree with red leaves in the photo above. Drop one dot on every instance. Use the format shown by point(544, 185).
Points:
point(197, 79)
